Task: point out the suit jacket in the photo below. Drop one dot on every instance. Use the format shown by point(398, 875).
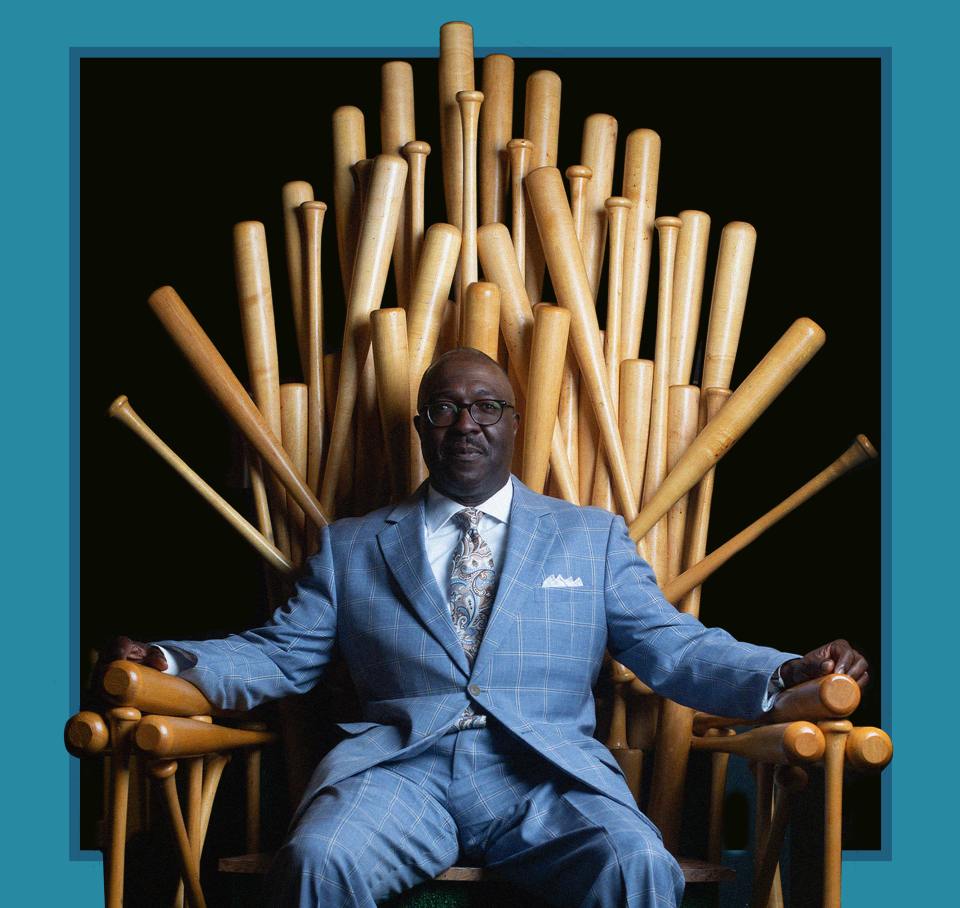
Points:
point(370, 590)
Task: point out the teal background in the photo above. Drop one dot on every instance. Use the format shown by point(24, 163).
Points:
point(37, 230)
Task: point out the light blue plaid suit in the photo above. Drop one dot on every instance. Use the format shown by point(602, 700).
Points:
point(371, 590)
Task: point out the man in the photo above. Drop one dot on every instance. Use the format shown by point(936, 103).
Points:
point(476, 679)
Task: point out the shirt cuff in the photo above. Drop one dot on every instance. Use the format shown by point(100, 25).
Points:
point(176, 663)
point(774, 686)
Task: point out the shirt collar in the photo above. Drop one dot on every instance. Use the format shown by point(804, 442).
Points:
point(438, 509)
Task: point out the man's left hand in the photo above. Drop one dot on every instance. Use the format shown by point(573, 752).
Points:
point(838, 657)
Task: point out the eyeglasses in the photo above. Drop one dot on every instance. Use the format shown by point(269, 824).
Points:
point(442, 413)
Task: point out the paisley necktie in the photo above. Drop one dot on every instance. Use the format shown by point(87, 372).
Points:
point(472, 588)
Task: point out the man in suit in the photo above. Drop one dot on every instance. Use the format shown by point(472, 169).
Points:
point(473, 618)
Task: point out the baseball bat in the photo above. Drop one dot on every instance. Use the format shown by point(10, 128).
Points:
point(868, 749)
point(683, 405)
point(121, 410)
point(861, 451)
point(416, 154)
point(481, 318)
point(388, 329)
point(562, 252)
point(636, 386)
point(578, 176)
point(455, 69)
point(597, 152)
point(500, 265)
point(641, 168)
point(175, 737)
point(226, 389)
point(349, 146)
point(496, 128)
point(469, 103)
point(252, 271)
point(521, 154)
point(311, 216)
point(541, 125)
point(293, 195)
point(689, 270)
point(668, 229)
point(786, 744)
point(397, 128)
point(738, 241)
point(757, 391)
point(547, 353)
point(294, 426)
point(86, 734)
point(374, 246)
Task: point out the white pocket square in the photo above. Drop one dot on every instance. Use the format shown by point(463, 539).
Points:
point(557, 580)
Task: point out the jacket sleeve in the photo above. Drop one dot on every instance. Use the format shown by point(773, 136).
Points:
point(285, 656)
point(704, 668)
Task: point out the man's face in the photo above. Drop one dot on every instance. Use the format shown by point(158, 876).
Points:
point(467, 462)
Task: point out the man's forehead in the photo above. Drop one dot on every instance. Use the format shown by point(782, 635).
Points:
point(458, 372)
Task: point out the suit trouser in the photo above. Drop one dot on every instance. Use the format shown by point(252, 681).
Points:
point(479, 794)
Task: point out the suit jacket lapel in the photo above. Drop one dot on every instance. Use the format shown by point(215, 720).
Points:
point(532, 531)
point(402, 546)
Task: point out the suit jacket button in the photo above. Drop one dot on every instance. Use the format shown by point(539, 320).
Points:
point(475, 690)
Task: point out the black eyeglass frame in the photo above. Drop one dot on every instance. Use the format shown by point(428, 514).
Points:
point(459, 408)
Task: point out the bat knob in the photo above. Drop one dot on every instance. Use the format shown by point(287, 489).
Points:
point(120, 403)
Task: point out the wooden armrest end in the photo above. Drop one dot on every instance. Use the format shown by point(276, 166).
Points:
point(130, 684)
point(173, 737)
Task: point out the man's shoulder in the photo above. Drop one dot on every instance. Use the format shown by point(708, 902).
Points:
point(564, 512)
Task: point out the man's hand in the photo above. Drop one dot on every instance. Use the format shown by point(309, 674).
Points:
point(838, 657)
point(132, 651)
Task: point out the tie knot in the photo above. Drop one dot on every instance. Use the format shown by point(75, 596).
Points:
point(469, 518)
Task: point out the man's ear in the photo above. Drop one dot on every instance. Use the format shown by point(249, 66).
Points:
point(416, 422)
point(516, 421)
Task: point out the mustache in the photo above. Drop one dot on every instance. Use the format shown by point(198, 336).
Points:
point(464, 446)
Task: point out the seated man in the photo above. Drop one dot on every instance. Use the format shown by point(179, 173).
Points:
point(475, 666)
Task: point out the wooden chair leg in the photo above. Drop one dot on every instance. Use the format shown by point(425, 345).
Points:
point(790, 781)
point(763, 773)
point(835, 732)
point(164, 771)
point(122, 721)
point(718, 790)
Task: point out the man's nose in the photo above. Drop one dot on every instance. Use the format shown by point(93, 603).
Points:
point(465, 421)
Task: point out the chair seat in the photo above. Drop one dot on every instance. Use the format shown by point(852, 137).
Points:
point(694, 871)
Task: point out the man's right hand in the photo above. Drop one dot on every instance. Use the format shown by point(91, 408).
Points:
point(132, 651)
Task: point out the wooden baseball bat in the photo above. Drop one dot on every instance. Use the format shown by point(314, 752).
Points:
point(785, 744)
point(830, 697)
point(547, 354)
point(397, 128)
point(469, 103)
point(252, 271)
point(597, 152)
point(861, 451)
point(541, 125)
point(389, 332)
point(758, 390)
point(641, 168)
point(455, 74)
point(636, 387)
point(293, 195)
point(416, 154)
point(562, 252)
point(689, 269)
point(683, 407)
point(499, 262)
point(441, 250)
point(226, 389)
point(374, 247)
point(738, 241)
point(496, 128)
point(176, 737)
point(349, 146)
point(521, 155)
point(311, 216)
point(121, 410)
point(86, 734)
point(481, 318)
point(294, 425)
point(616, 208)
point(868, 749)
point(656, 469)
point(578, 175)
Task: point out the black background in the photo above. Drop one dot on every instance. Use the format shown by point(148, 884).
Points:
point(173, 152)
